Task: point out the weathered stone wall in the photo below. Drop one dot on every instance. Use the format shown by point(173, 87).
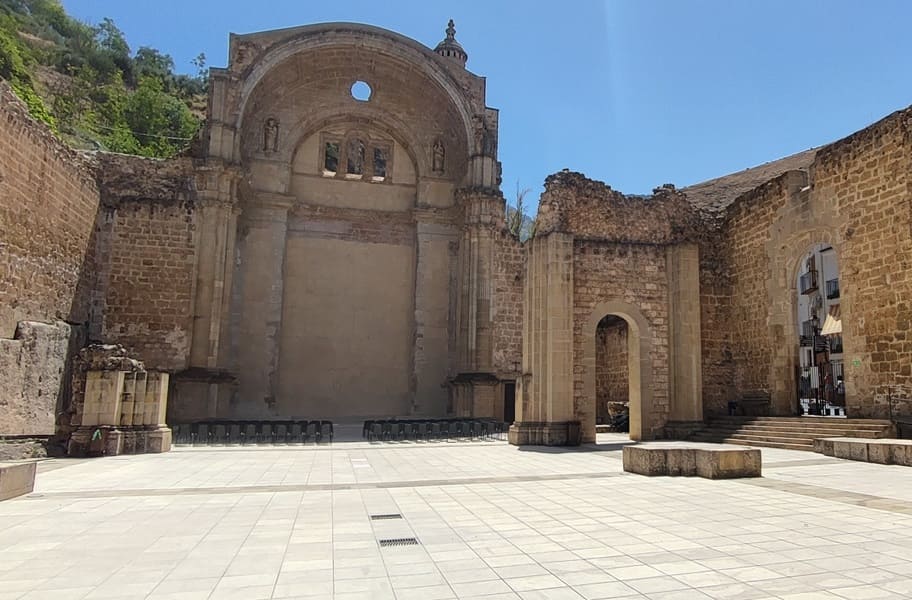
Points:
point(747, 231)
point(635, 275)
point(146, 249)
point(612, 385)
point(509, 266)
point(48, 203)
point(856, 198)
point(32, 370)
point(590, 209)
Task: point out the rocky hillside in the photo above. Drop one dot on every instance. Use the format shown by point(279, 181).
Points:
point(87, 84)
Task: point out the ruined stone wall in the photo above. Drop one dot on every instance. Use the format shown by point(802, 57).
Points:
point(612, 385)
point(590, 209)
point(147, 257)
point(865, 180)
point(635, 275)
point(744, 256)
point(48, 203)
point(857, 199)
point(509, 266)
point(716, 321)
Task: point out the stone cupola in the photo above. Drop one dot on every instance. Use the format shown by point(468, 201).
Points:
point(450, 48)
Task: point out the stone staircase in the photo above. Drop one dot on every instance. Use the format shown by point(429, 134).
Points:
point(791, 433)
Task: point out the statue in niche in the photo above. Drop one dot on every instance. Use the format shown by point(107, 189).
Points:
point(355, 157)
point(485, 140)
point(271, 135)
point(439, 157)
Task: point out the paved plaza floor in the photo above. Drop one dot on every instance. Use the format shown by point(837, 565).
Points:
point(492, 521)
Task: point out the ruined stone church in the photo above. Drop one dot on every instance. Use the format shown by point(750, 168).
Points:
point(335, 246)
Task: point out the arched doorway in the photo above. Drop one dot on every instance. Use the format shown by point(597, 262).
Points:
point(612, 373)
point(638, 373)
point(820, 372)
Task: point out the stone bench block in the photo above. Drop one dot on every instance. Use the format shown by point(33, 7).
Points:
point(711, 463)
point(16, 479)
point(883, 451)
point(728, 463)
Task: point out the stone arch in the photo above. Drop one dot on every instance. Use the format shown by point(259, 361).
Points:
point(782, 295)
point(366, 38)
point(639, 343)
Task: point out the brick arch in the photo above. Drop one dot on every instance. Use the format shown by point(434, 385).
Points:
point(639, 344)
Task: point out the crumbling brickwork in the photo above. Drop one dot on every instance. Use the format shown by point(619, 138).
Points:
point(147, 240)
point(48, 203)
point(508, 300)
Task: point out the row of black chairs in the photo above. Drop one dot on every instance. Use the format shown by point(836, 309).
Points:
point(226, 433)
point(389, 430)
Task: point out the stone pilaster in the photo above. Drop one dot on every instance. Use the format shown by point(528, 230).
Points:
point(260, 290)
point(545, 414)
point(685, 362)
point(432, 310)
point(483, 214)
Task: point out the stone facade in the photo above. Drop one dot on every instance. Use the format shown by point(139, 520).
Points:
point(321, 254)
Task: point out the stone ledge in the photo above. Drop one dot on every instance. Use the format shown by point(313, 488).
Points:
point(883, 451)
point(16, 479)
point(689, 461)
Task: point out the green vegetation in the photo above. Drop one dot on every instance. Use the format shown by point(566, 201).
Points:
point(84, 81)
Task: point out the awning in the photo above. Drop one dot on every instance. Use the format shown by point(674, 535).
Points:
point(833, 323)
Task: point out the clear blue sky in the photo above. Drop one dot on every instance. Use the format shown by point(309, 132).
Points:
point(635, 93)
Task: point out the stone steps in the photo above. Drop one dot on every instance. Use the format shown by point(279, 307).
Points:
point(787, 432)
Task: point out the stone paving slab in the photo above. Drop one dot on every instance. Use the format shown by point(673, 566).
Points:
point(492, 521)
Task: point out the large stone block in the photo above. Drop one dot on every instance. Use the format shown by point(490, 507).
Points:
point(711, 463)
point(544, 434)
point(16, 479)
point(646, 461)
point(728, 463)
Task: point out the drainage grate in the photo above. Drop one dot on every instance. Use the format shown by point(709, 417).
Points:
point(385, 517)
point(399, 542)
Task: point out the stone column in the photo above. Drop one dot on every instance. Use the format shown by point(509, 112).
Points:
point(484, 211)
point(545, 415)
point(260, 288)
point(685, 360)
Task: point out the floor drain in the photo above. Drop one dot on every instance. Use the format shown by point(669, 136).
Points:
point(385, 517)
point(399, 542)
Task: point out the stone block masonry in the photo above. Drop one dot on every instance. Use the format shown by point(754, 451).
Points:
point(48, 203)
point(147, 245)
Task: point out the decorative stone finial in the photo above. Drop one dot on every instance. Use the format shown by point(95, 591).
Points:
point(450, 48)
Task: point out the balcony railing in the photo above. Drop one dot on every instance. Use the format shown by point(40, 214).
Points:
point(832, 289)
point(809, 328)
point(808, 282)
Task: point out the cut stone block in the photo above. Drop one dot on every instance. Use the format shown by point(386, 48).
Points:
point(884, 451)
point(711, 463)
point(728, 463)
point(16, 479)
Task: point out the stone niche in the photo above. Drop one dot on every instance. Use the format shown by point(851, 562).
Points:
point(118, 406)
